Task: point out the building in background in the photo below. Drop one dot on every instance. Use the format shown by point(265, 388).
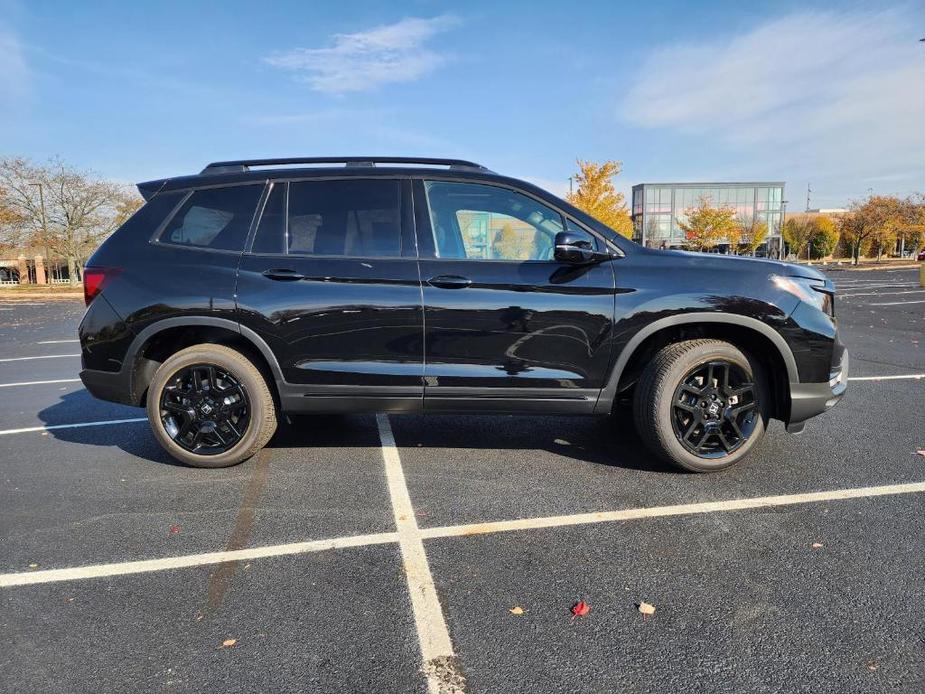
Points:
point(657, 208)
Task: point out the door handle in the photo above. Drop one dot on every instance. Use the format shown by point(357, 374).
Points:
point(449, 282)
point(283, 274)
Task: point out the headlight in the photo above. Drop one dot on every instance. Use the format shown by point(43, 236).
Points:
point(811, 291)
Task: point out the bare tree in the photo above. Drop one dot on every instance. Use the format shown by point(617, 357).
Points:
point(66, 210)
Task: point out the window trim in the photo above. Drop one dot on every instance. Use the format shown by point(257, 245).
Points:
point(432, 245)
point(156, 240)
point(248, 250)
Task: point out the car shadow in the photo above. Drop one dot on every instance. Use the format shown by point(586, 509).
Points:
point(606, 441)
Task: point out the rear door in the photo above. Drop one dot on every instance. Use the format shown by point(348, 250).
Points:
point(506, 326)
point(331, 283)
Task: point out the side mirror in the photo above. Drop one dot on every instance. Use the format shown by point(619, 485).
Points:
point(575, 249)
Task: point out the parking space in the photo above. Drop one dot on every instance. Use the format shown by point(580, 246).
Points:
point(335, 561)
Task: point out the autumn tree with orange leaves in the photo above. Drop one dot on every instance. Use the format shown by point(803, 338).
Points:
point(597, 196)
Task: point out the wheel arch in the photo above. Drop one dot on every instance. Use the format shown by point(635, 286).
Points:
point(759, 339)
point(161, 339)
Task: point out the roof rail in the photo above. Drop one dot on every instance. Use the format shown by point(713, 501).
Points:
point(243, 165)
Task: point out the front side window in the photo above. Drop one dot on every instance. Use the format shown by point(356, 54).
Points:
point(217, 218)
point(482, 222)
point(359, 218)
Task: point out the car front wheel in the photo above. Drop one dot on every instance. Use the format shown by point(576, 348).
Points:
point(209, 406)
point(701, 405)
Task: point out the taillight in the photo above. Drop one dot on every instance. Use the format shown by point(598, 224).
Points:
point(95, 278)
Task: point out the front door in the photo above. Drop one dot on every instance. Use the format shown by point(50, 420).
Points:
point(506, 326)
point(331, 284)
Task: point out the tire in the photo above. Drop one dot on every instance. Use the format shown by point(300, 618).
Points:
point(697, 415)
point(230, 433)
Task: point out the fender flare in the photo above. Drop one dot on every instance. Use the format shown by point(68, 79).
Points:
point(609, 392)
point(197, 321)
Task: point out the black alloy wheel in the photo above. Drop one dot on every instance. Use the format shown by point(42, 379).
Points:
point(715, 409)
point(204, 409)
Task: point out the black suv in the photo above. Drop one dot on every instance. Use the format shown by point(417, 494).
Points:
point(388, 284)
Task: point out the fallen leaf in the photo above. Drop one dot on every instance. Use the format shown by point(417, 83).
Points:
point(580, 608)
point(872, 665)
point(817, 545)
point(174, 529)
point(646, 608)
point(228, 643)
point(516, 610)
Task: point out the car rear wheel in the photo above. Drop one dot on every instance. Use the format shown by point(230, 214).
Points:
point(210, 406)
point(701, 405)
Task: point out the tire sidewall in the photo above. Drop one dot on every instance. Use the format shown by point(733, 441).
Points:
point(680, 455)
point(243, 371)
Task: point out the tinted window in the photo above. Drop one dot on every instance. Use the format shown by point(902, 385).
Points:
point(483, 222)
point(271, 232)
point(352, 218)
point(214, 218)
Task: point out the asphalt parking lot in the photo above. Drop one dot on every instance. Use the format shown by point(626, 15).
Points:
point(385, 554)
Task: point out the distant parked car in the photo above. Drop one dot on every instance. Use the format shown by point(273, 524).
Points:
point(921, 256)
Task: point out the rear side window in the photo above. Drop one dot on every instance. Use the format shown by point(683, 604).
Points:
point(360, 218)
point(217, 218)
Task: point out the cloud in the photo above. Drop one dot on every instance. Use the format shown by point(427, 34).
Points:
point(836, 94)
point(367, 59)
point(14, 72)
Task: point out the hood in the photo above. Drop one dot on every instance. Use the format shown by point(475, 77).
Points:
point(744, 263)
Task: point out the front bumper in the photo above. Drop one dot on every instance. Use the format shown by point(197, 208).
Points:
point(810, 399)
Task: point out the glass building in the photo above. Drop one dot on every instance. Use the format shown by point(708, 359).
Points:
point(658, 207)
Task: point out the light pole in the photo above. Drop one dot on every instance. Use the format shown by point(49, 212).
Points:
point(44, 229)
point(783, 218)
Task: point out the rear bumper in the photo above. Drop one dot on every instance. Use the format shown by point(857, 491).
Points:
point(810, 399)
point(107, 385)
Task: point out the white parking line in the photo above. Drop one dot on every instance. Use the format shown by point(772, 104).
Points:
point(437, 653)
point(46, 356)
point(78, 573)
point(914, 291)
point(898, 303)
point(39, 383)
point(449, 531)
point(885, 378)
point(679, 510)
point(893, 285)
point(26, 430)
point(55, 342)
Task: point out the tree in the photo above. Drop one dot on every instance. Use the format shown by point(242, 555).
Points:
point(871, 224)
point(798, 232)
point(706, 225)
point(912, 223)
point(825, 237)
point(68, 211)
point(597, 196)
point(10, 222)
point(752, 232)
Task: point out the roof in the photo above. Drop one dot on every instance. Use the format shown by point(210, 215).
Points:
point(242, 170)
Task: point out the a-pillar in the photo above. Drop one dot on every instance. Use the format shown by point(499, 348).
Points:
point(40, 277)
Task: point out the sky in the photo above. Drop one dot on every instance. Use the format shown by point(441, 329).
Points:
point(830, 94)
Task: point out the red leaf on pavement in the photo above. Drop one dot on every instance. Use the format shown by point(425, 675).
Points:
point(174, 529)
point(580, 608)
